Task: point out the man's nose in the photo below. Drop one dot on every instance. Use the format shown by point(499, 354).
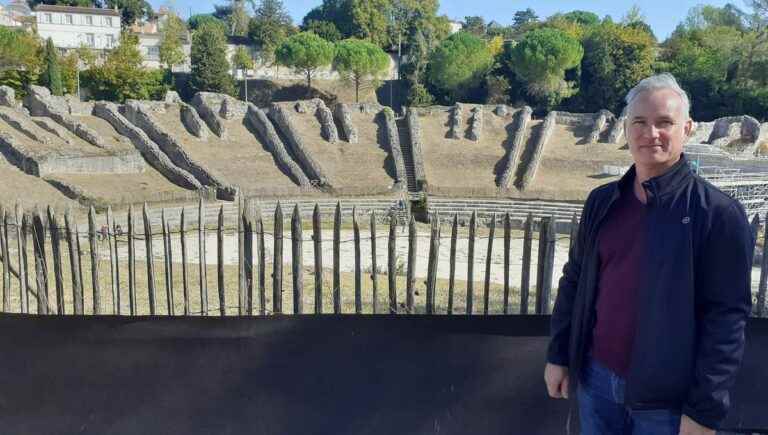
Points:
point(652, 131)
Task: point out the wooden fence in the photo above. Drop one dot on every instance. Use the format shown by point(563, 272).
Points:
point(51, 241)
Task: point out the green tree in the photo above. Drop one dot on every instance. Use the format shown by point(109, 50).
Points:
point(172, 35)
point(122, 75)
point(306, 53)
point(616, 57)
point(51, 76)
point(371, 20)
point(269, 27)
point(457, 67)
point(324, 29)
point(234, 16)
point(360, 62)
point(132, 10)
point(585, 18)
point(524, 17)
point(338, 12)
point(69, 71)
point(210, 68)
point(195, 21)
point(474, 25)
point(243, 61)
point(18, 49)
point(541, 59)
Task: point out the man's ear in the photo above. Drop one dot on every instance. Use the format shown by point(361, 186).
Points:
point(689, 127)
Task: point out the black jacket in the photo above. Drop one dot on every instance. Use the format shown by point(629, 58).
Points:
point(693, 302)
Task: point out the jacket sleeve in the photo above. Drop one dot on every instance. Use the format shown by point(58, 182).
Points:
point(723, 303)
point(560, 324)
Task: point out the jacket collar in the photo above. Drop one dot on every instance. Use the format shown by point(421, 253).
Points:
point(662, 184)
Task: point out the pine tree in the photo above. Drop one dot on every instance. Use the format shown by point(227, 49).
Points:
point(210, 68)
point(52, 75)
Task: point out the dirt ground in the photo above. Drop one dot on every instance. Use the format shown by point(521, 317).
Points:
point(241, 159)
point(362, 168)
point(461, 163)
point(29, 191)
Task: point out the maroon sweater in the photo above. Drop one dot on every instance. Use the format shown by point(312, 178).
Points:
point(621, 241)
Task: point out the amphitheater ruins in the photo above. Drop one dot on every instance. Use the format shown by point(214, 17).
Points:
point(66, 153)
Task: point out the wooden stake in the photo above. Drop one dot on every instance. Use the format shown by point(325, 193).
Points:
point(297, 262)
point(317, 237)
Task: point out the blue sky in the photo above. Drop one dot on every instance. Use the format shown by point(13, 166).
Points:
point(662, 15)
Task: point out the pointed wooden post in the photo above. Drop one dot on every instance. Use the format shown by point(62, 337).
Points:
point(525, 276)
point(358, 266)
point(184, 271)
point(297, 261)
point(241, 280)
point(94, 261)
point(22, 247)
point(507, 243)
point(374, 266)
point(247, 218)
point(549, 267)
point(434, 251)
point(220, 263)
point(168, 261)
point(203, 274)
point(471, 262)
point(131, 263)
point(113, 261)
point(392, 263)
point(53, 227)
point(38, 240)
point(489, 253)
point(410, 274)
point(574, 231)
point(337, 260)
point(761, 290)
point(74, 263)
point(262, 262)
point(317, 237)
point(452, 265)
point(150, 260)
point(6, 263)
point(277, 263)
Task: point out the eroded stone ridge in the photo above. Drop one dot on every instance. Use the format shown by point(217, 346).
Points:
point(455, 122)
point(192, 121)
point(262, 124)
point(538, 151)
point(573, 119)
point(8, 97)
point(603, 117)
point(52, 127)
point(476, 124)
point(417, 149)
point(39, 103)
point(344, 114)
point(208, 106)
point(18, 154)
point(17, 121)
point(327, 126)
point(501, 110)
point(148, 149)
point(393, 138)
point(513, 154)
point(617, 130)
point(284, 122)
point(232, 108)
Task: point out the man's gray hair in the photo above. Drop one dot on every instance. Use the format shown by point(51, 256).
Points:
point(659, 81)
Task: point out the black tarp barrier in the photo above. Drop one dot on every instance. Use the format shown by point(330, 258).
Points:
point(297, 375)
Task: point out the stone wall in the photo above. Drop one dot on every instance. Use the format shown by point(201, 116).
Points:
point(617, 129)
point(327, 127)
point(513, 154)
point(455, 122)
point(208, 106)
point(148, 149)
point(417, 149)
point(393, 138)
point(8, 97)
point(192, 121)
point(18, 154)
point(39, 103)
point(20, 123)
point(263, 125)
point(137, 114)
point(603, 117)
point(476, 124)
point(701, 132)
point(538, 151)
point(344, 115)
point(282, 118)
point(574, 119)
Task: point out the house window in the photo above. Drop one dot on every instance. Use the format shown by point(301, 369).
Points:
point(47, 18)
point(110, 41)
point(89, 20)
point(90, 40)
point(68, 19)
point(153, 52)
point(108, 21)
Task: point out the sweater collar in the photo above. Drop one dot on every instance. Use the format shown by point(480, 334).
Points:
point(660, 184)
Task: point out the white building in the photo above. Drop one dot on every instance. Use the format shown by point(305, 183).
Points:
point(16, 14)
point(71, 27)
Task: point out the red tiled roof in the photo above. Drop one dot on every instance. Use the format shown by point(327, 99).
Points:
point(77, 10)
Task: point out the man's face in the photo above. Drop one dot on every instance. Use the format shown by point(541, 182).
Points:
point(657, 128)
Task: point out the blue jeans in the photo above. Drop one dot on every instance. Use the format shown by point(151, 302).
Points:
point(602, 410)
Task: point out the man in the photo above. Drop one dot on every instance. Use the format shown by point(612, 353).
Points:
point(648, 325)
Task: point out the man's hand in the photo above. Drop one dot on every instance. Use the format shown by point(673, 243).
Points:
point(690, 427)
point(556, 378)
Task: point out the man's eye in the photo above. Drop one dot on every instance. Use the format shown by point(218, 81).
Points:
point(665, 123)
point(638, 122)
